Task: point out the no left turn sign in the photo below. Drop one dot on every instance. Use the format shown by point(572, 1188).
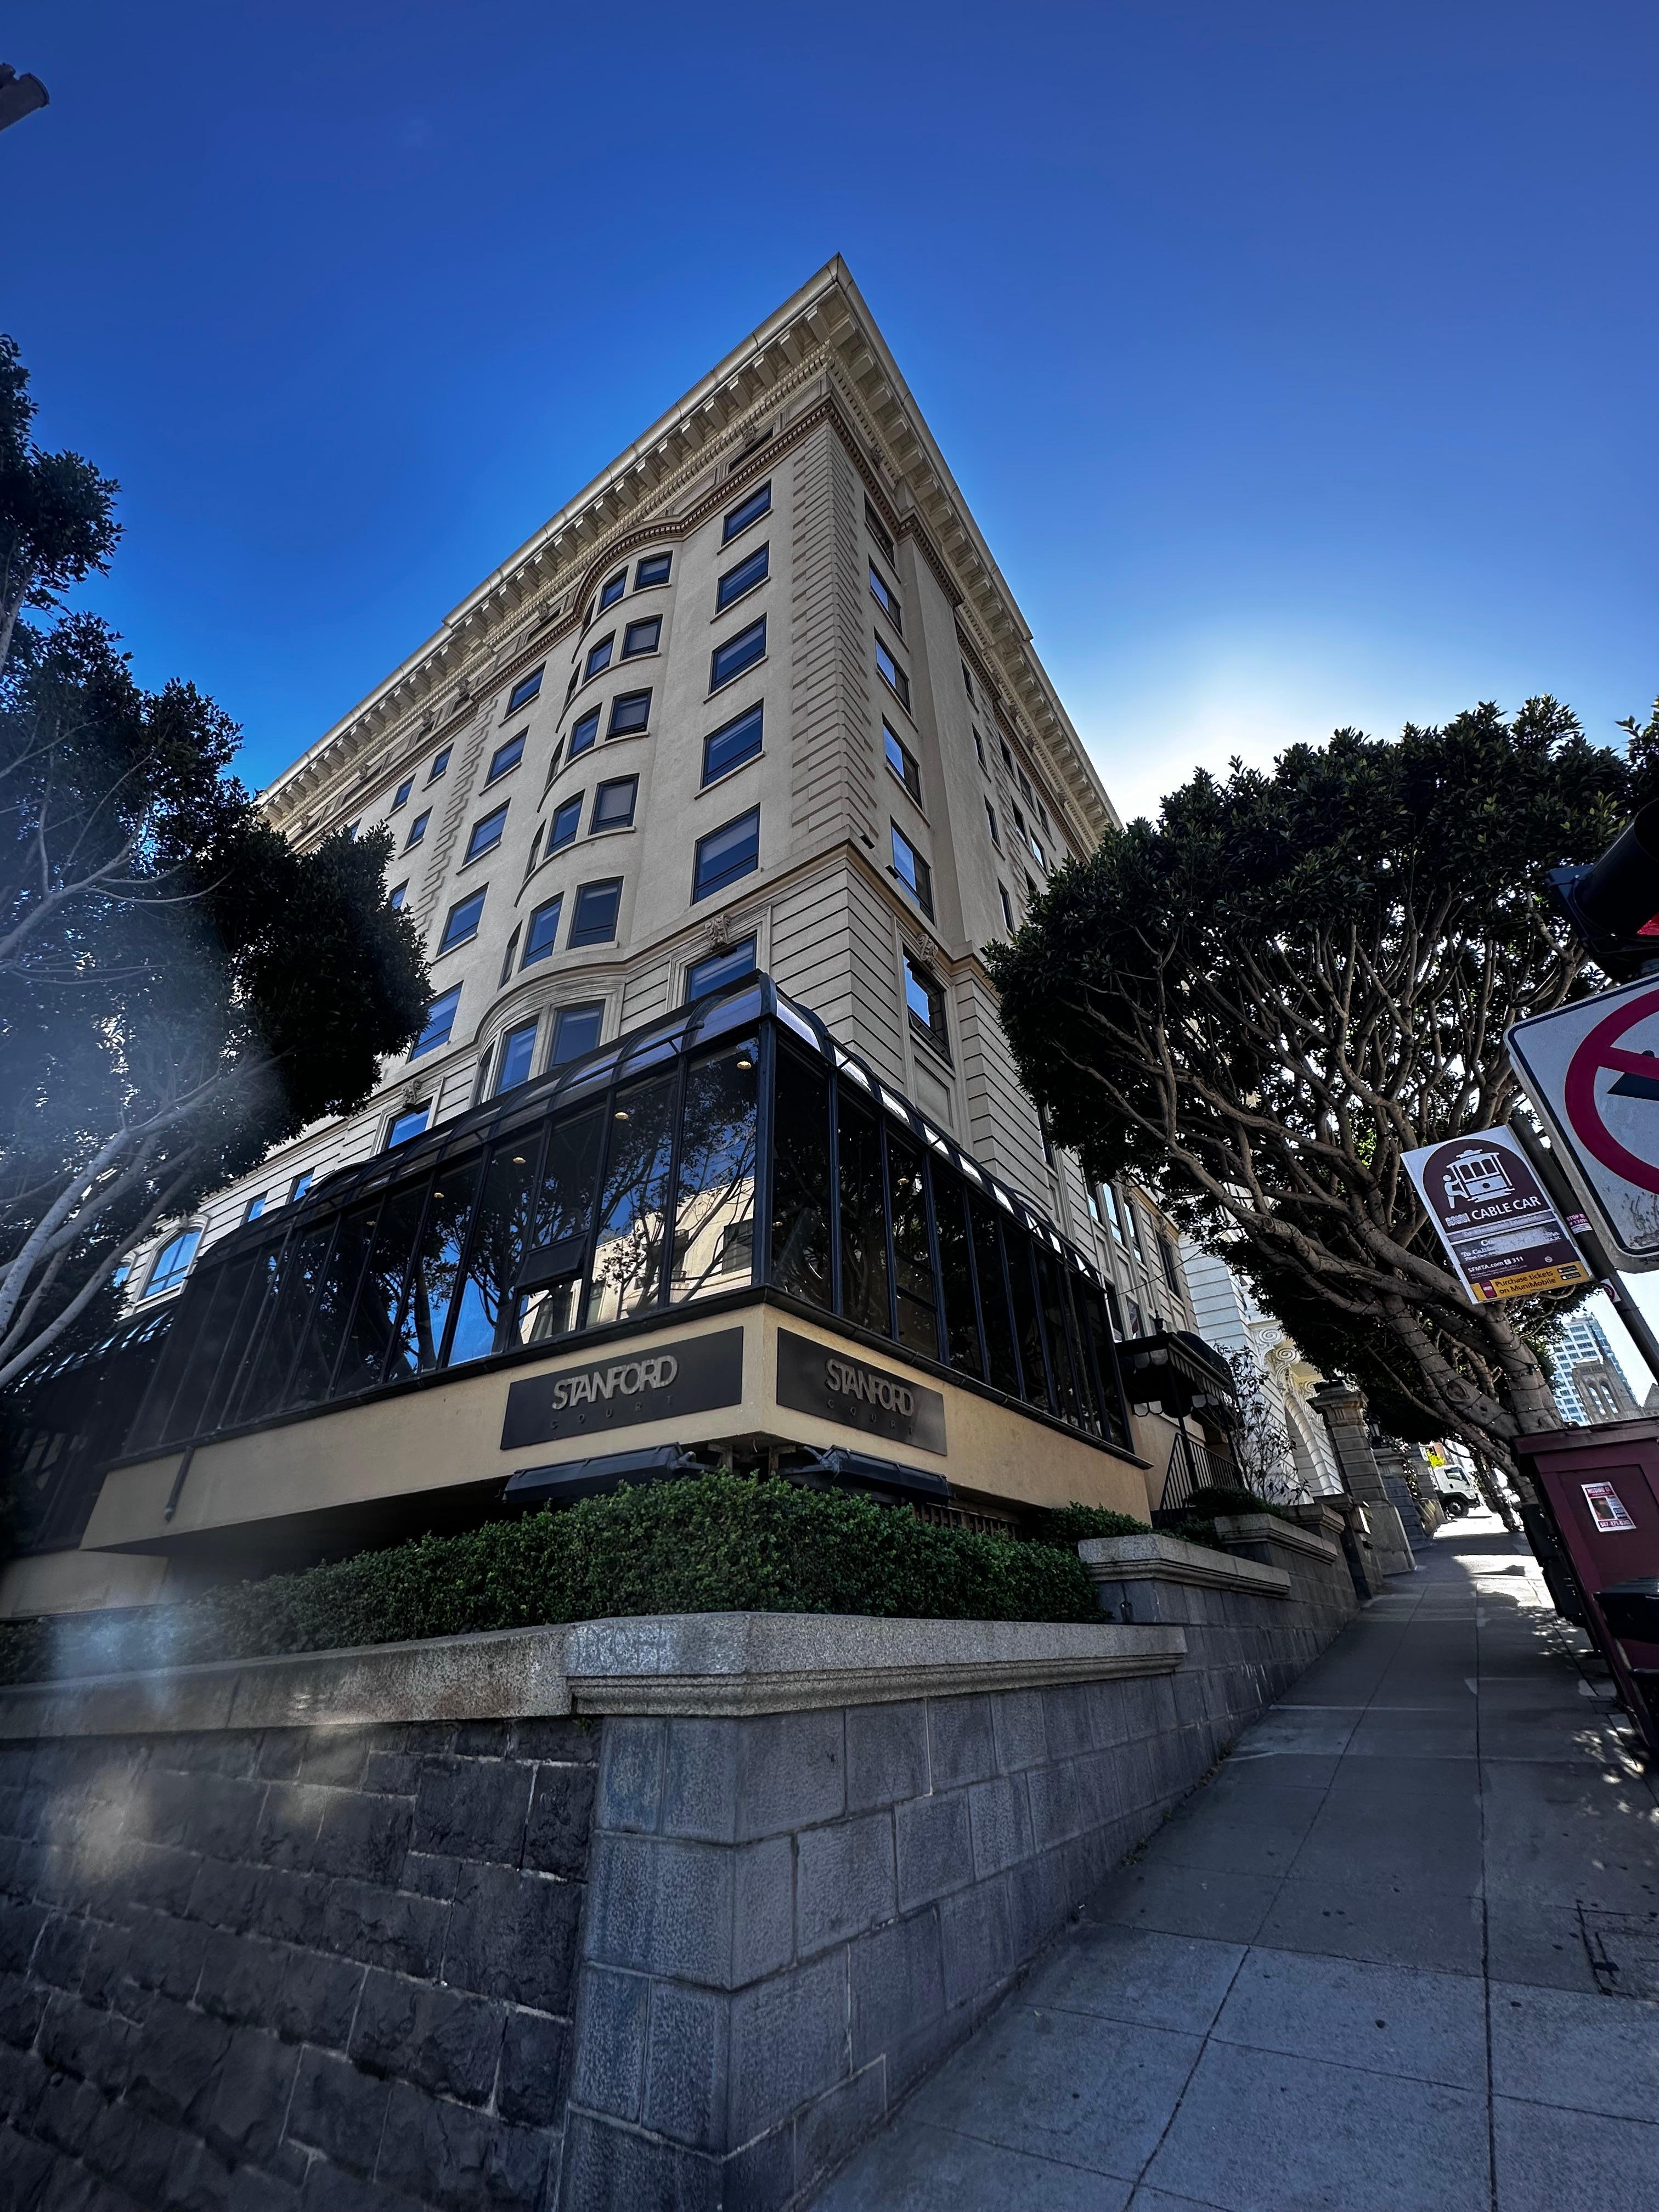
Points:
point(1592, 1071)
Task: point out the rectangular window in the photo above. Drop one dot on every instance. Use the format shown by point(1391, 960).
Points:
point(1025, 787)
point(1030, 892)
point(703, 977)
point(399, 893)
point(594, 921)
point(743, 578)
point(916, 1294)
point(583, 735)
point(1008, 757)
point(925, 1001)
point(301, 1182)
point(351, 829)
point(486, 834)
point(729, 660)
point(1042, 858)
point(877, 529)
point(544, 929)
point(440, 1021)
point(802, 1187)
point(653, 570)
point(440, 763)
point(462, 923)
point(406, 1126)
point(501, 1232)
point(535, 852)
point(892, 675)
point(901, 761)
point(417, 829)
point(863, 1224)
point(508, 958)
point(598, 657)
point(641, 637)
point(505, 758)
point(968, 679)
point(254, 1208)
point(613, 590)
point(884, 598)
point(576, 1031)
point(732, 745)
point(630, 712)
point(979, 748)
point(524, 690)
point(1171, 1273)
point(1007, 910)
point(400, 798)
point(613, 805)
point(567, 821)
point(991, 819)
point(757, 504)
point(518, 1052)
point(727, 853)
point(913, 871)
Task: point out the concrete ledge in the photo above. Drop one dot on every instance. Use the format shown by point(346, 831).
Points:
point(774, 1663)
point(1161, 1559)
point(1268, 1528)
point(721, 1663)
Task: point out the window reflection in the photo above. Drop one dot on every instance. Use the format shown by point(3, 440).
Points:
point(300, 1271)
point(564, 1208)
point(913, 1258)
point(500, 1236)
point(373, 1318)
point(863, 1229)
point(801, 1181)
point(628, 1249)
point(1028, 1329)
point(956, 1275)
point(714, 1210)
point(432, 1287)
point(1002, 1363)
point(335, 1295)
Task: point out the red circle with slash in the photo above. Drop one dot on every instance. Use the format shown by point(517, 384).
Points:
point(1600, 1049)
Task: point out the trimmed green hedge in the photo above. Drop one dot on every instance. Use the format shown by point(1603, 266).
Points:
point(717, 1544)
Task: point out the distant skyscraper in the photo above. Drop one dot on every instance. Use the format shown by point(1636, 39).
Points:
point(1589, 1384)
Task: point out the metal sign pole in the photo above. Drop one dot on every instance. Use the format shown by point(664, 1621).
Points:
point(1547, 1168)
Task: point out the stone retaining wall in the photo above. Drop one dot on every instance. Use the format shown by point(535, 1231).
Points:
point(685, 1953)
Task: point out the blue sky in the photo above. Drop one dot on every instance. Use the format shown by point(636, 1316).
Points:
point(1299, 362)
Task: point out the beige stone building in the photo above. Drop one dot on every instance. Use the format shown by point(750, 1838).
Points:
point(756, 703)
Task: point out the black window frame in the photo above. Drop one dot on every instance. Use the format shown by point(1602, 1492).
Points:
point(584, 934)
point(473, 901)
point(907, 773)
point(886, 598)
point(728, 589)
point(878, 530)
point(441, 761)
point(417, 831)
point(536, 951)
point(731, 730)
point(573, 808)
point(700, 890)
point(721, 959)
point(500, 1087)
point(898, 682)
point(613, 588)
point(933, 1033)
point(474, 850)
point(747, 511)
point(618, 727)
point(632, 651)
point(500, 767)
point(603, 645)
point(644, 583)
point(577, 743)
point(918, 888)
point(631, 784)
point(442, 1009)
point(527, 689)
point(738, 641)
point(400, 797)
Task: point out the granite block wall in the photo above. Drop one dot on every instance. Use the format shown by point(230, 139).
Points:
point(291, 1970)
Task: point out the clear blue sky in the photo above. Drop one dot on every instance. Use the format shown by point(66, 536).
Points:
point(1298, 361)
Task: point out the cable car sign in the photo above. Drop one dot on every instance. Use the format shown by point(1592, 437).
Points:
point(1499, 1229)
point(1591, 1069)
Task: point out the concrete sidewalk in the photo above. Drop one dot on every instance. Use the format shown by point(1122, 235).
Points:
point(1402, 1951)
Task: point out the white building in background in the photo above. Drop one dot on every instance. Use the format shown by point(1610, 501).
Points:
point(1228, 1316)
point(1589, 1384)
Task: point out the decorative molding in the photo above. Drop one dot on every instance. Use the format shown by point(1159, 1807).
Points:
point(1161, 1559)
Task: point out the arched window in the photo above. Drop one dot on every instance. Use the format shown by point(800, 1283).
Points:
point(172, 1262)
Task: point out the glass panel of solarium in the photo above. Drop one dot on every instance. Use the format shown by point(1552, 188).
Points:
point(1027, 1327)
point(1068, 1401)
point(500, 1236)
point(628, 1250)
point(714, 1202)
point(863, 1228)
point(437, 1268)
point(259, 1308)
point(1091, 1313)
point(564, 1213)
point(302, 1269)
point(1002, 1366)
point(336, 1295)
point(801, 1182)
point(185, 1370)
point(375, 1317)
point(955, 1273)
point(913, 1258)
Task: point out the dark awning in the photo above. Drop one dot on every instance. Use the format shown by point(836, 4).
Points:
point(587, 1478)
point(1178, 1372)
point(854, 1470)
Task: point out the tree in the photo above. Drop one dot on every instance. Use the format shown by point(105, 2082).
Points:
point(1259, 1004)
point(179, 989)
point(1260, 1440)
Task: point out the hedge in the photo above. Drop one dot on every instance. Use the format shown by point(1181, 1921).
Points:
point(718, 1543)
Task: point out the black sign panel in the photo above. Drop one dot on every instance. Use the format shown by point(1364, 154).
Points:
point(837, 1386)
point(638, 1384)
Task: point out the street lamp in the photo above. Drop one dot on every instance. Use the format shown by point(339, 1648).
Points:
point(18, 95)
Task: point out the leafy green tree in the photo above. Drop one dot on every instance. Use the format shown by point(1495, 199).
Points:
point(1257, 1006)
point(179, 988)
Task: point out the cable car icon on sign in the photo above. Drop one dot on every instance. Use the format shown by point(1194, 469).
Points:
point(1475, 1174)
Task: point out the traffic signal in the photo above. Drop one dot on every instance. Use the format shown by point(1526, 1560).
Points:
point(1614, 902)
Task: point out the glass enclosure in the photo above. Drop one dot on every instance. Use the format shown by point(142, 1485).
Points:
point(732, 1145)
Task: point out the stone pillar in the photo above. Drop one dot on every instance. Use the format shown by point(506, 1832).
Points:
point(1344, 1410)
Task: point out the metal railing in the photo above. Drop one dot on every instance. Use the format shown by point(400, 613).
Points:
point(1194, 1467)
